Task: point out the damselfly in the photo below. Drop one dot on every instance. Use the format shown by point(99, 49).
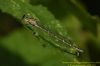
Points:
point(60, 41)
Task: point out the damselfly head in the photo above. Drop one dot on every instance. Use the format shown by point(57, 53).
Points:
point(27, 19)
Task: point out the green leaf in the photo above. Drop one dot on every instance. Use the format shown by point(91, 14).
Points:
point(18, 8)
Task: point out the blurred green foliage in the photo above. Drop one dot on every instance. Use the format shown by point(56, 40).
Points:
point(19, 47)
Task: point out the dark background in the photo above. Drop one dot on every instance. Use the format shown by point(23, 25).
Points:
point(93, 6)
